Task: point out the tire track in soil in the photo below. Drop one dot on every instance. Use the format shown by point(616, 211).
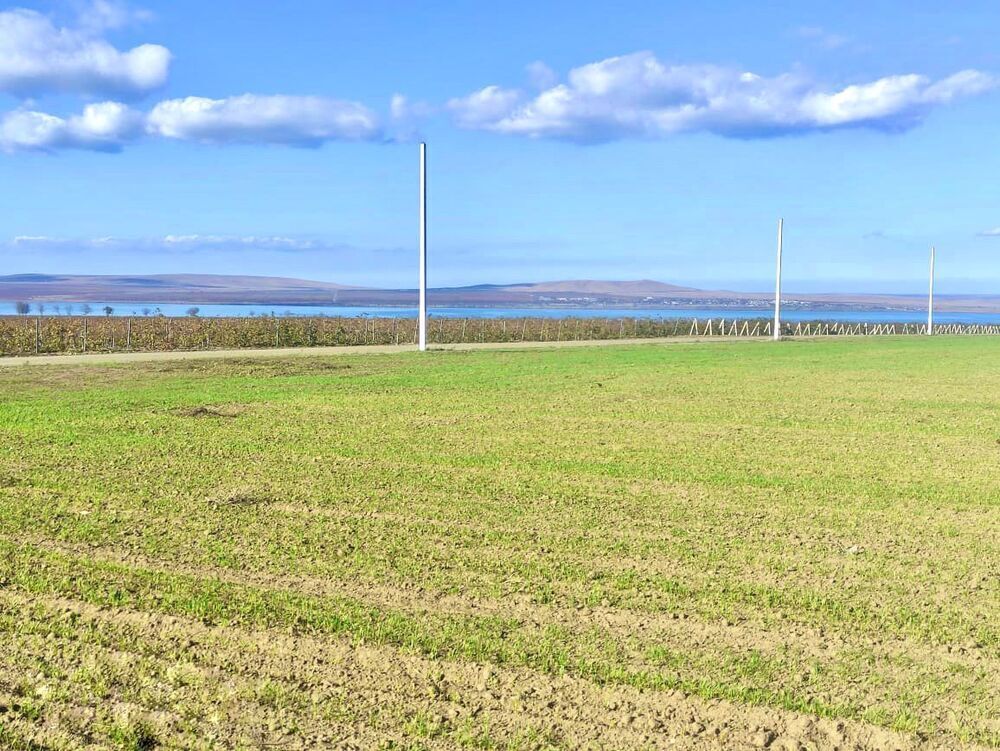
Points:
point(631, 631)
point(680, 628)
point(567, 712)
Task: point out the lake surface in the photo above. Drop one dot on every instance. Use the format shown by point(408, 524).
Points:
point(787, 313)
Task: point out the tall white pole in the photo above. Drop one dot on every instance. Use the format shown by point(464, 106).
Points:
point(930, 299)
point(422, 312)
point(777, 286)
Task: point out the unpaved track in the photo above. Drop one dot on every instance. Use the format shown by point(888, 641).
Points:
point(367, 349)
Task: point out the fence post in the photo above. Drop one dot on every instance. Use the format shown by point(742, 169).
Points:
point(85, 334)
point(128, 334)
point(38, 325)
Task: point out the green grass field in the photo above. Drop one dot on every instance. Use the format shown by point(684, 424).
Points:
point(602, 547)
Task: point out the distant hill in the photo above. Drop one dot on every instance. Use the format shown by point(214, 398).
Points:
point(167, 288)
point(260, 290)
point(639, 288)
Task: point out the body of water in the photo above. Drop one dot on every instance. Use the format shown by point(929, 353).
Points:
point(787, 314)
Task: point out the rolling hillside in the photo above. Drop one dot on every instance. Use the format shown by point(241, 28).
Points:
point(216, 288)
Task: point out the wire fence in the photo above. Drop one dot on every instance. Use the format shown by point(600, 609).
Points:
point(22, 335)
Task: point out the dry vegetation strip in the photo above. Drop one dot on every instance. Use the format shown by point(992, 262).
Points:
point(66, 334)
point(620, 547)
point(30, 335)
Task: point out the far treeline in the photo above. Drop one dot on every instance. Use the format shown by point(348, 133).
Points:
point(68, 309)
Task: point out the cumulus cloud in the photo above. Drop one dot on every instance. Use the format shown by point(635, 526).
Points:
point(107, 126)
point(487, 108)
point(638, 96)
point(103, 126)
point(36, 56)
point(251, 118)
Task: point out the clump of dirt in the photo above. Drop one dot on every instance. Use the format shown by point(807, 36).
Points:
point(206, 410)
point(242, 497)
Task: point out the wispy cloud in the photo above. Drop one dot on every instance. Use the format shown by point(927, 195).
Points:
point(407, 116)
point(260, 242)
point(637, 96)
point(98, 16)
point(541, 75)
point(192, 242)
point(37, 57)
point(822, 37)
point(995, 232)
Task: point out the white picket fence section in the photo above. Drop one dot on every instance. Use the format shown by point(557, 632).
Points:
point(723, 327)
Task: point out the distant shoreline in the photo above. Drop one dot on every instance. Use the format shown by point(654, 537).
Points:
point(274, 293)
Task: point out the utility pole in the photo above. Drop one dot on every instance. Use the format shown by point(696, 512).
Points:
point(422, 311)
point(777, 286)
point(930, 298)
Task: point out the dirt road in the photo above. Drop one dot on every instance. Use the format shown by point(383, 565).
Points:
point(210, 354)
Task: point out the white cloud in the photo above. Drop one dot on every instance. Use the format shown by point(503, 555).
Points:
point(541, 75)
point(407, 116)
point(104, 126)
point(36, 56)
point(261, 242)
point(102, 15)
point(34, 240)
point(485, 108)
point(250, 118)
point(995, 232)
point(179, 242)
point(638, 96)
point(107, 126)
point(822, 37)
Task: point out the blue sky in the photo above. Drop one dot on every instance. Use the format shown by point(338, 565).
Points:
point(567, 140)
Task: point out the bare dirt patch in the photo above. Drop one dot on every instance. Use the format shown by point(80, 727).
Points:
point(242, 497)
